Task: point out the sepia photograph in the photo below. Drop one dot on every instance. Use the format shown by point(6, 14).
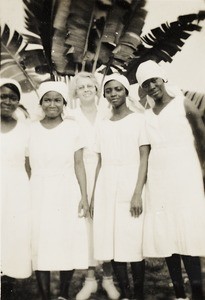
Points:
point(102, 149)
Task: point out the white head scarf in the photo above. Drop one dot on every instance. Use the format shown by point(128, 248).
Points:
point(118, 77)
point(55, 86)
point(4, 81)
point(149, 69)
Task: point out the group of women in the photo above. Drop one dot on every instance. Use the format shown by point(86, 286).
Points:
point(83, 188)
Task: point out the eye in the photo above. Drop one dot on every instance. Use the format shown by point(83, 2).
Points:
point(119, 88)
point(81, 87)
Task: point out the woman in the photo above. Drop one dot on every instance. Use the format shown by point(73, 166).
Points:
point(85, 89)
point(123, 149)
point(175, 205)
point(59, 196)
point(15, 200)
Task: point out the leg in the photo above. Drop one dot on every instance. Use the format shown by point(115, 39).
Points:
point(107, 282)
point(43, 279)
point(138, 272)
point(193, 268)
point(7, 287)
point(65, 279)
point(120, 270)
point(90, 285)
point(175, 271)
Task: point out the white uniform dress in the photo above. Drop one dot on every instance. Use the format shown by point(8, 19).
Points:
point(15, 204)
point(175, 204)
point(59, 239)
point(90, 158)
point(118, 235)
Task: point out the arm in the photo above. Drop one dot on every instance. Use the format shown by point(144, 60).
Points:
point(96, 176)
point(136, 202)
point(198, 128)
point(81, 177)
point(28, 167)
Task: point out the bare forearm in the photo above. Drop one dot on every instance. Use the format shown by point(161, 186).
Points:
point(142, 172)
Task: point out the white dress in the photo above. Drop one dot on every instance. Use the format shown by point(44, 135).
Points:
point(118, 235)
point(175, 203)
point(15, 204)
point(59, 239)
point(90, 158)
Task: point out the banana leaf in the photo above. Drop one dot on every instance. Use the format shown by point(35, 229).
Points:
point(13, 65)
point(164, 42)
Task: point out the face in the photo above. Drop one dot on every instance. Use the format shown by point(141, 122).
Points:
point(9, 101)
point(154, 87)
point(115, 93)
point(85, 90)
point(52, 104)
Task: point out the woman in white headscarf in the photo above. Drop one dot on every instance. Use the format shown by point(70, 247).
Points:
point(15, 196)
point(123, 151)
point(175, 203)
point(59, 195)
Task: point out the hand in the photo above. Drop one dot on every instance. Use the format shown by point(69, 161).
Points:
point(83, 208)
point(136, 206)
point(92, 208)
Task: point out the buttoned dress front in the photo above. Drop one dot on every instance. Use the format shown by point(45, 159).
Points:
point(59, 239)
point(118, 235)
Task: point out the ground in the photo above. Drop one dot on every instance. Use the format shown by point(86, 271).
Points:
point(157, 284)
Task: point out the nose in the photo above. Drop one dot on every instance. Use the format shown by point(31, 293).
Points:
point(52, 104)
point(151, 85)
point(7, 100)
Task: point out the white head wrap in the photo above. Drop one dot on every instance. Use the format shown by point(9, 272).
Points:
point(54, 86)
point(4, 81)
point(118, 77)
point(149, 69)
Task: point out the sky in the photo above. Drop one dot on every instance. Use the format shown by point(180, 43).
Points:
point(187, 70)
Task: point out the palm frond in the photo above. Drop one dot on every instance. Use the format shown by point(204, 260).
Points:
point(39, 22)
point(13, 56)
point(164, 42)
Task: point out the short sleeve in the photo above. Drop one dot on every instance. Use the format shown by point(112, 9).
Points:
point(96, 145)
point(79, 141)
point(143, 137)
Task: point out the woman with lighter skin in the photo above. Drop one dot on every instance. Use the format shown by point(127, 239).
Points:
point(120, 176)
point(175, 204)
point(15, 196)
point(85, 89)
point(59, 195)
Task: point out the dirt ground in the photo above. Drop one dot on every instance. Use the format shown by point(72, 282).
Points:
point(157, 284)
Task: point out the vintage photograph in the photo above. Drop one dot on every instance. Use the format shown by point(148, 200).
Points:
point(102, 149)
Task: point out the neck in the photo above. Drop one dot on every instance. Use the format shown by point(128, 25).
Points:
point(87, 107)
point(163, 100)
point(7, 124)
point(7, 119)
point(120, 112)
point(51, 122)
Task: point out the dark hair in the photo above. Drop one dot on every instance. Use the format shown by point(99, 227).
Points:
point(14, 88)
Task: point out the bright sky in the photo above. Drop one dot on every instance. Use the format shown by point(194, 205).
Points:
point(188, 67)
